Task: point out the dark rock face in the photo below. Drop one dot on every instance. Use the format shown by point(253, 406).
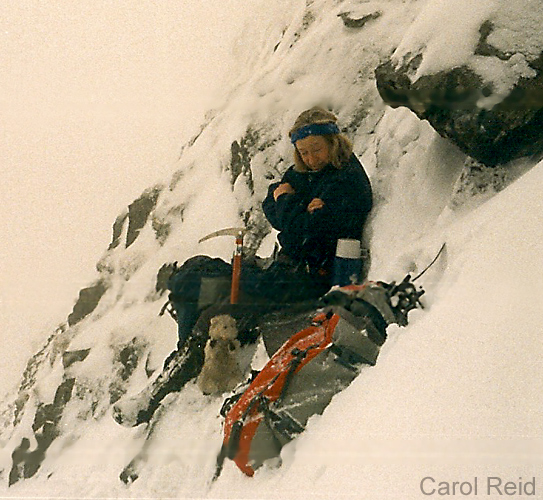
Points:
point(117, 230)
point(87, 301)
point(450, 101)
point(139, 211)
point(356, 22)
point(46, 427)
point(240, 163)
point(137, 215)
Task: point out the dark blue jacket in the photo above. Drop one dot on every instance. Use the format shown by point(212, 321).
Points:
point(312, 237)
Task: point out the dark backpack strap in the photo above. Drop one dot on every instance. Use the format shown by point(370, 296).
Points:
point(360, 307)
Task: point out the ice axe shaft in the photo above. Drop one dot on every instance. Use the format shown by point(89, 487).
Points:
point(236, 269)
point(238, 232)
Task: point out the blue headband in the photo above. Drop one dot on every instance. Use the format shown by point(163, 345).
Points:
point(314, 129)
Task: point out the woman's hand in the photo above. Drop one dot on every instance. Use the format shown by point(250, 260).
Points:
point(284, 188)
point(315, 204)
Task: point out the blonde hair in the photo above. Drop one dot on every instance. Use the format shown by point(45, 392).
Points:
point(341, 147)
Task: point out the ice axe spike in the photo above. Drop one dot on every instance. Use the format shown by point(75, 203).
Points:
point(238, 232)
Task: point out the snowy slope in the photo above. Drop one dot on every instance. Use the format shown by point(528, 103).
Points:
point(455, 395)
point(452, 396)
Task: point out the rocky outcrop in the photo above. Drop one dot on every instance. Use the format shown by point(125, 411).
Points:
point(469, 103)
point(47, 426)
point(242, 153)
point(352, 20)
point(118, 230)
point(139, 211)
point(87, 301)
point(137, 215)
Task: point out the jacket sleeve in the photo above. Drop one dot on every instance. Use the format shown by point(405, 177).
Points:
point(280, 212)
point(347, 202)
point(271, 207)
point(268, 205)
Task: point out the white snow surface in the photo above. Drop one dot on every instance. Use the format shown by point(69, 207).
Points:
point(454, 396)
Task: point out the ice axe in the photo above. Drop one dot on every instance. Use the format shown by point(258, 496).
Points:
point(238, 232)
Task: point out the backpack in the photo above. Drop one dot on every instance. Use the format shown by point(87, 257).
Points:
point(202, 281)
point(198, 283)
point(312, 366)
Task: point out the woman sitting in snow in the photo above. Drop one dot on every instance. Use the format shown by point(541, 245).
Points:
point(325, 196)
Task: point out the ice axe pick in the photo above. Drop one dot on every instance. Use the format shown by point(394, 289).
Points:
point(238, 232)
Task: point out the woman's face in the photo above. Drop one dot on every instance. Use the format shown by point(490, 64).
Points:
point(314, 151)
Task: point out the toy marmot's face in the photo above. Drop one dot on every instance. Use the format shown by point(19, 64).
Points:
point(223, 327)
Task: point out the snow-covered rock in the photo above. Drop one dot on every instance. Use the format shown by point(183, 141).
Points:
point(475, 72)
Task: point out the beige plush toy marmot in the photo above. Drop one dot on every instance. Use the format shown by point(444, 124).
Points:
point(221, 371)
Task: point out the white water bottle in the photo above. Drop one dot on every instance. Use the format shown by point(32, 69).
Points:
point(347, 263)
